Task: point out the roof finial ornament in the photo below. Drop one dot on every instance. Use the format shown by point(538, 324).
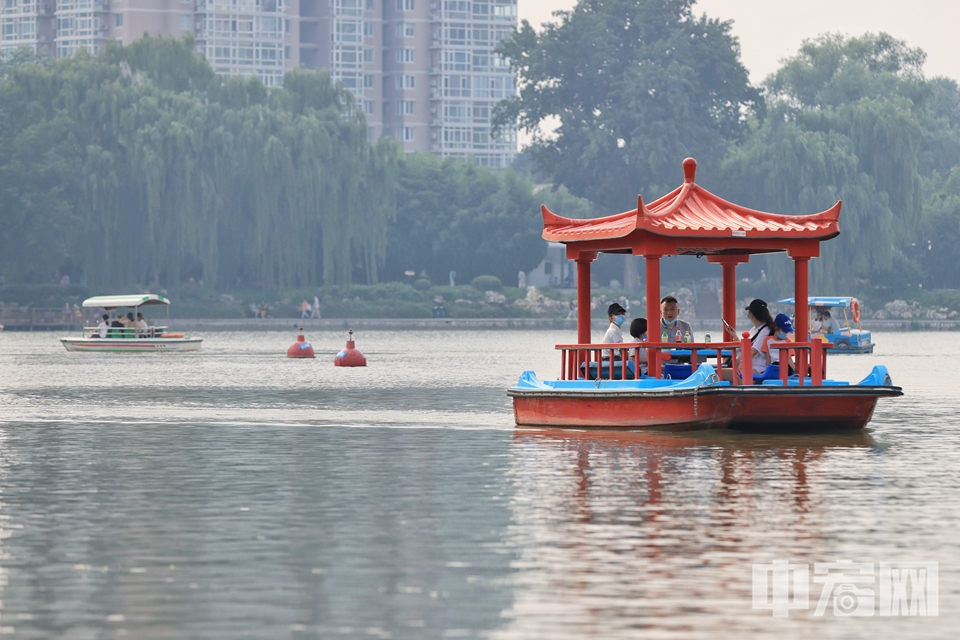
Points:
point(689, 170)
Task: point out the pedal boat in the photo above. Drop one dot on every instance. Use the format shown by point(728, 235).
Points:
point(154, 338)
point(848, 339)
point(595, 391)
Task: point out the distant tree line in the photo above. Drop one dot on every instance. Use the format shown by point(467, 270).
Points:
point(637, 85)
point(142, 167)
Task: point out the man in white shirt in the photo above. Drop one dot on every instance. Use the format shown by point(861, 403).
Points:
point(617, 316)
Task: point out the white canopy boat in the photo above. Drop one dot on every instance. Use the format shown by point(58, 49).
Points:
point(153, 338)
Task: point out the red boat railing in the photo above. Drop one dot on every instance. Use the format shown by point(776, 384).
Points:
point(580, 361)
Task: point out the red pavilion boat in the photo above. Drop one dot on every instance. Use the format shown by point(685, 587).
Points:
point(598, 392)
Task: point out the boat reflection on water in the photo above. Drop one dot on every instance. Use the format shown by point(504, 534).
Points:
point(618, 531)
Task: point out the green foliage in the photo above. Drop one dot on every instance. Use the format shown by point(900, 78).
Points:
point(487, 283)
point(938, 248)
point(43, 295)
point(145, 167)
point(422, 284)
point(636, 85)
point(850, 119)
point(454, 216)
point(460, 292)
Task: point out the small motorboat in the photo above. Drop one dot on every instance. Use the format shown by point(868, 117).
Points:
point(130, 339)
point(848, 339)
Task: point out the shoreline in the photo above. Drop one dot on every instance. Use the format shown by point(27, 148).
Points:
point(484, 324)
point(459, 324)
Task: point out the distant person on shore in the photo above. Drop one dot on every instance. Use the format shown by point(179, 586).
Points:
point(103, 326)
point(671, 326)
point(521, 280)
point(315, 312)
point(453, 278)
point(304, 309)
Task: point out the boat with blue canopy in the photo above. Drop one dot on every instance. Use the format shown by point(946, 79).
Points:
point(631, 386)
point(844, 337)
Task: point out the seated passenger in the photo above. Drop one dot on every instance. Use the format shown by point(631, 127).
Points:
point(638, 331)
point(672, 329)
point(817, 324)
point(142, 326)
point(103, 326)
point(829, 324)
point(117, 321)
point(128, 321)
point(784, 335)
point(763, 326)
point(759, 315)
point(617, 316)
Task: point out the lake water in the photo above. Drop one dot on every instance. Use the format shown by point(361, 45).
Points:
point(235, 493)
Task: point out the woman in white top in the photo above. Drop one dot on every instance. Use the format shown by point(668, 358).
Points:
point(759, 315)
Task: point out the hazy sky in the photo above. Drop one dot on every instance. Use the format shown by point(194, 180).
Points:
point(770, 30)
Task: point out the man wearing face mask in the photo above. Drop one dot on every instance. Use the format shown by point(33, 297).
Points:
point(617, 316)
point(675, 329)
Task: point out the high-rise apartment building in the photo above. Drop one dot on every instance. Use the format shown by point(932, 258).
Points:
point(423, 71)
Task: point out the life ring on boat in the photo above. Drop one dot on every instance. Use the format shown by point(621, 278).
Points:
point(855, 310)
point(171, 335)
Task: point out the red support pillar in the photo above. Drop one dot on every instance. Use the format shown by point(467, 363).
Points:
point(653, 310)
point(801, 289)
point(729, 311)
point(583, 296)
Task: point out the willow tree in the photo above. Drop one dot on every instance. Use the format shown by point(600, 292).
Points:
point(145, 163)
point(847, 119)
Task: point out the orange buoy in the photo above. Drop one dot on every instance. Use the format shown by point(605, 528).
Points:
point(301, 348)
point(350, 356)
